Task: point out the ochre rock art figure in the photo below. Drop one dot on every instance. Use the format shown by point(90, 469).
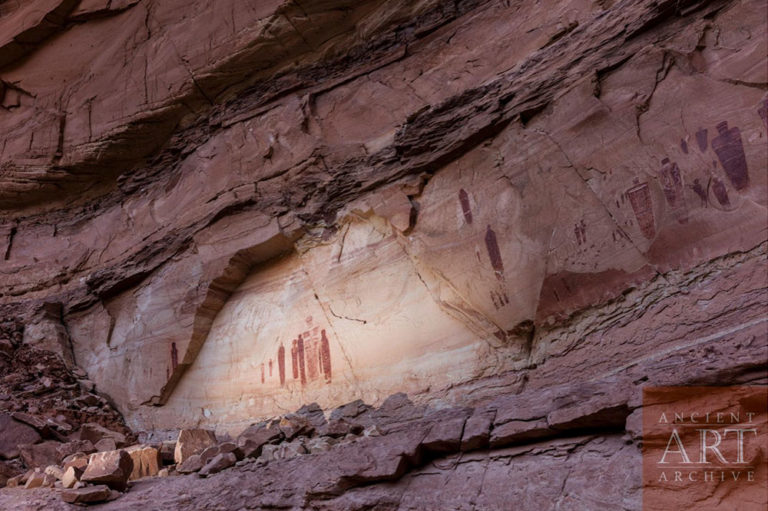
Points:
point(325, 356)
point(281, 364)
point(310, 357)
point(763, 112)
point(317, 353)
point(174, 356)
point(295, 358)
point(730, 151)
point(494, 254)
point(302, 369)
point(498, 297)
point(721, 194)
point(700, 191)
point(701, 139)
point(465, 207)
point(580, 230)
point(672, 184)
point(640, 199)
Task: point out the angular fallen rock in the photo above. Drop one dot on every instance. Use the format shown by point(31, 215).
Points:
point(193, 441)
point(314, 414)
point(208, 454)
point(14, 481)
point(288, 450)
point(254, 438)
point(55, 471)
point(39, 480)
point(167, 450)
point(95, 432)
point(112, 468)
point(146, 461)
point(13, 434)
point(318, 444)
point(218, 463)
point(40, 455)
point(71, 476)
point(106, 444)
point(78, 460)
point(87, 495)
point(230, 447)
point(189, 465)
point(75, 446)
point(295, 425)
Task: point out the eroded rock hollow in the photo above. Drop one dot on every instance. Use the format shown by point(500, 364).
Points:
point(516, 213)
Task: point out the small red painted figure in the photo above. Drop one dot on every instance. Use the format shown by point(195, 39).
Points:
point(730, 151)
point(701, 139)
point(672, 184)
point(465, 207)
point(281, 364)
point(640, 199)
point(302, 371)
point(174, 356)
point(721, 194)
point(295, 359)
point(312, 358)
point(325, 356)
point(494, 254)
point(700, 191)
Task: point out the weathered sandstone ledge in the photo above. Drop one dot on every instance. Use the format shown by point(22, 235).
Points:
point(223, 211)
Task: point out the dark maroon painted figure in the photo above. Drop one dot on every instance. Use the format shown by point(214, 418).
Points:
point(672, 184)
point(281, 364)
point(721, 194)
point(763, 112)
point(640, 199)
point(730, 151)
point(174, 356)
point(701, 139)
point(494, 253)
point(325, 356)
point(295, 359)
point(700, 191)
point(684, 145)
point(580, 230)
point(500, 299)
point(270, 368)
point(262, 372)
point(311, 358)
point(465, 208)
point(302, 370)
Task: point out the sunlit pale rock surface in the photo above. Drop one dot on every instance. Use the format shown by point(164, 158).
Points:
point(223, 211)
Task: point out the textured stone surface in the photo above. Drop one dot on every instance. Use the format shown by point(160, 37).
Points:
point(88, 495)
point(218, 463)
point(191, 442)
point(146, 461)
point(449, 186)
point(518, 213)
point(112, 468)
point(40, 455)
point(13, 434)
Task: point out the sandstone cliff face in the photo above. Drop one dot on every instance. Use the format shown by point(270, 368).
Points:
point(242, 207)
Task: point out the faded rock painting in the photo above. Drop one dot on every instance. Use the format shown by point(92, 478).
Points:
point(497, 246)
